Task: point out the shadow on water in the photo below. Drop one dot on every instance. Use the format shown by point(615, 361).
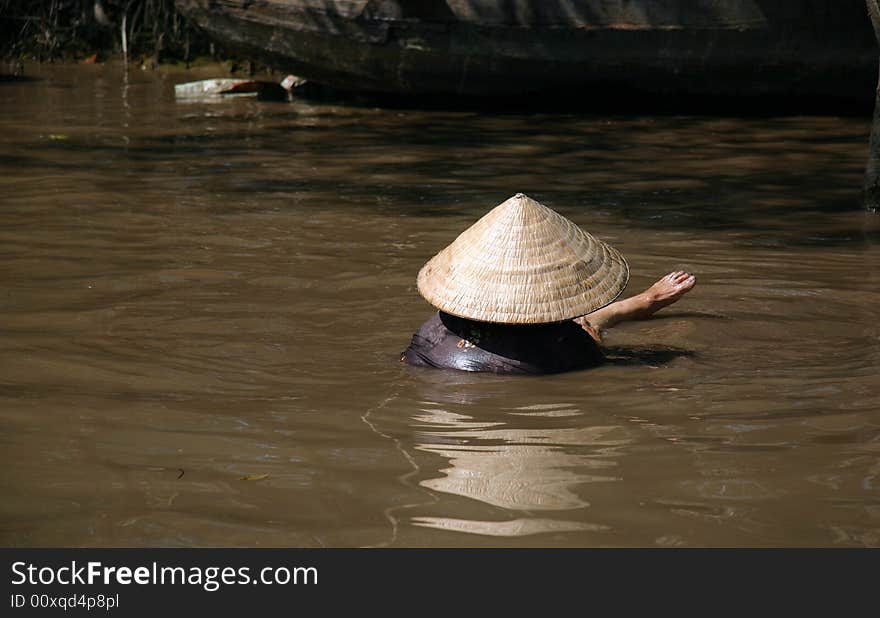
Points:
point(651, 356)
point(613, 99)
point(712, 176)
point(6, 78)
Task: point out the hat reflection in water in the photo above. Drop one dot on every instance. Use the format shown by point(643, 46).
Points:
point(533, 472)
point(525, 290)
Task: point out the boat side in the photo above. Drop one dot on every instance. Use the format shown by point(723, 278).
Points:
point(479, 47)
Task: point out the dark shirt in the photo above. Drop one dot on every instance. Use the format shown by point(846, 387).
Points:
point(457, 343)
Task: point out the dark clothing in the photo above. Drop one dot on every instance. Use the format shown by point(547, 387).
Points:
point(457, 343)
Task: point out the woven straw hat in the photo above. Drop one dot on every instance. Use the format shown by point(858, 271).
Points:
point(523, 263)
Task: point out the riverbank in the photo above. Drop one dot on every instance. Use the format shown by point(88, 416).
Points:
point(145, 33)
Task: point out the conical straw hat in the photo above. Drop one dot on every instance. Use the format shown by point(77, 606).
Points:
point(523, 263)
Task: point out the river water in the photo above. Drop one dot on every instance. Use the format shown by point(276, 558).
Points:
point(203, 304)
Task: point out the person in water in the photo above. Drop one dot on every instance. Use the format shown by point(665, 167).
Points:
point(524, 290)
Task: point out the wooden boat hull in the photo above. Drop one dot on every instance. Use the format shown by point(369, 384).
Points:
point(479, 47)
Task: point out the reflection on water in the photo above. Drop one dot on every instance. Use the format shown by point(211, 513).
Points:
point(196, 294)
point(515, 469)
point(520, 473)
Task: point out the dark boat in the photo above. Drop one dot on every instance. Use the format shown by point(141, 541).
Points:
point(792, 48)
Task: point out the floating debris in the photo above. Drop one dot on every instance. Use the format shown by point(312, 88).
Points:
point(220, 88)
point(254, 477)
point(292, 83)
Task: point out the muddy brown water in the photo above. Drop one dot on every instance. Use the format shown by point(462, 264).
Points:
point(193, 294)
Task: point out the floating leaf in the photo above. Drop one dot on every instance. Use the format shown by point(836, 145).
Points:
point(254, 477)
